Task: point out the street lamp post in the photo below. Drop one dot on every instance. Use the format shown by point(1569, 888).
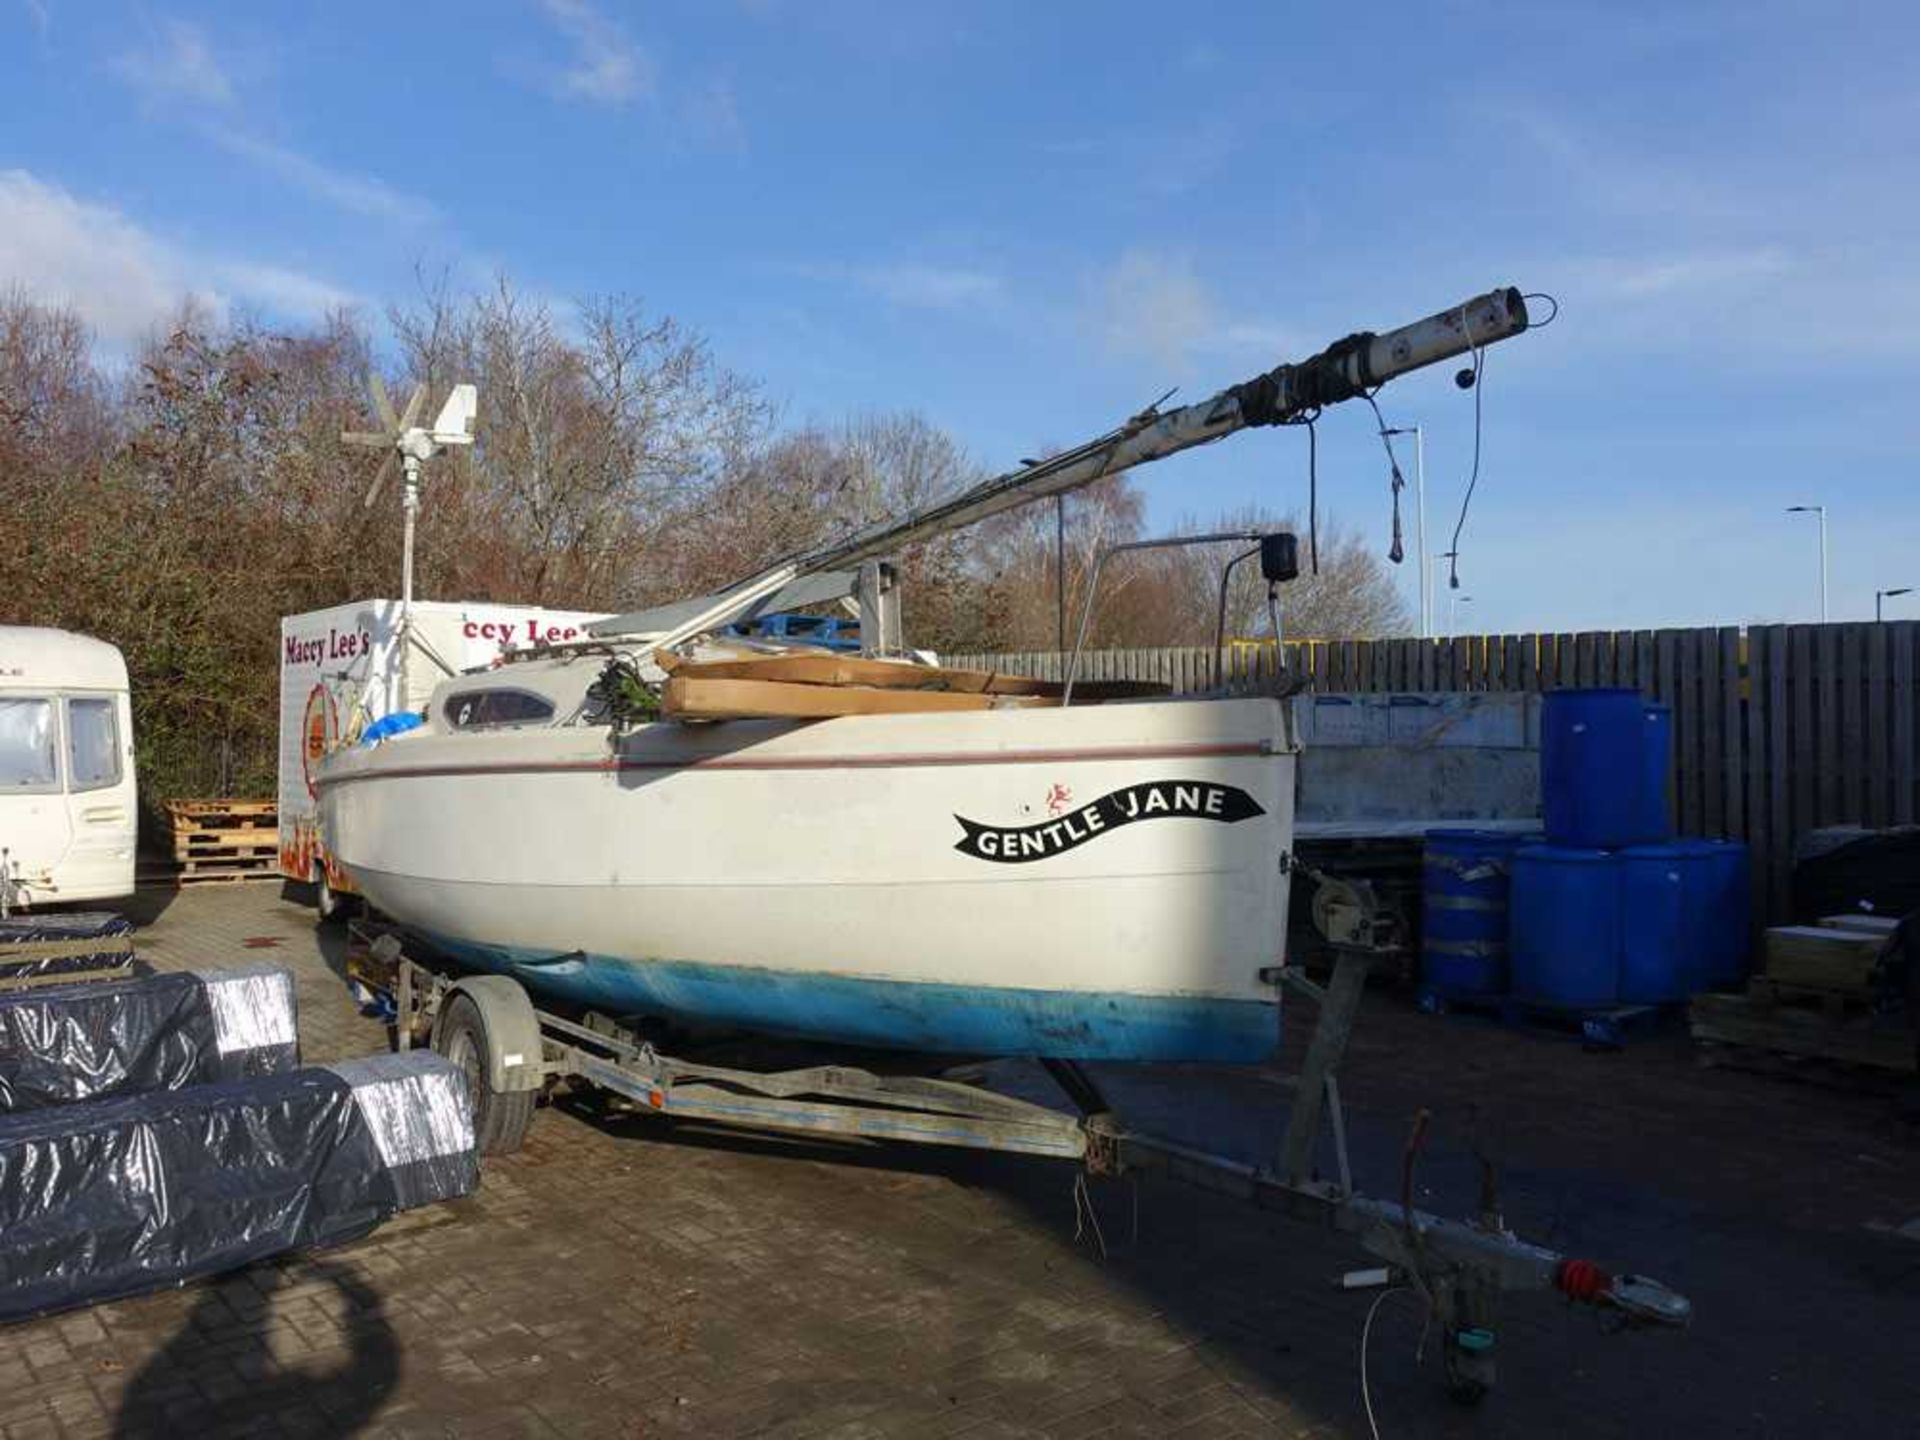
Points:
point(1454, 602)
point(1821, 511)
point(1880, 595)
point(1438, 555)
point(1420, 522)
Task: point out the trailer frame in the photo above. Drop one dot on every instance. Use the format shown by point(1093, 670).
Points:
point(1458, 1267)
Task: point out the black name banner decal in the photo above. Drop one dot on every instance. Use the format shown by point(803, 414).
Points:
point(1150, 800)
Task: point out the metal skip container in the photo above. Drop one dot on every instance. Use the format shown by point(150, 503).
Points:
point(1463, 911)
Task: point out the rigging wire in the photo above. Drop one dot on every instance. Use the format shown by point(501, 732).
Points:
point(1473, 477)
point(1397, 551)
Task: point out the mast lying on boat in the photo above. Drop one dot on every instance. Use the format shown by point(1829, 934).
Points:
point(1289, 392)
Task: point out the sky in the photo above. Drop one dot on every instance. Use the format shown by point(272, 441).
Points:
point(1027, 221)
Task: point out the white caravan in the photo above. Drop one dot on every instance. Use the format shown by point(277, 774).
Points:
point(68, 812)
point(343, 669)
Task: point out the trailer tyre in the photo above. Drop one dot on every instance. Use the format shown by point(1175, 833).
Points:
point(500, 1118)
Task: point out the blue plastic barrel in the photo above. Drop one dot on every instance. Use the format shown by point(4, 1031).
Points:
point(1722, 912)
point(1603, 768)
point(1656, 755)
point(1664, 922)
point(1463, 911)
point(1563, 935)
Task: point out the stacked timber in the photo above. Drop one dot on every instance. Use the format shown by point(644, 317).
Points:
point(224, 840)
point(1814, 998)
point(797, 685)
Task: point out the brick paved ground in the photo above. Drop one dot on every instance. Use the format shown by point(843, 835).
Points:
point(622, 1279)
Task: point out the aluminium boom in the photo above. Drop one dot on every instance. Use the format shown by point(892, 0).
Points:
point(1289, 392)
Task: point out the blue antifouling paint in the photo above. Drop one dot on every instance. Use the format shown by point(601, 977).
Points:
point(1662, 923)
point(1563, 936)
point(1604, 760)
point(1463, 911)
point(1722, 905)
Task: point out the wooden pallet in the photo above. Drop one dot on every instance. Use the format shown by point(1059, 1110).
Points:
point(1821, 957)
point(224, 839)
point(1881, 1042)
point(1763, 990)
point(229, 808)
point(226, 874)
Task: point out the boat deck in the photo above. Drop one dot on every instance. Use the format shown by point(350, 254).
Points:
point(615, 1279)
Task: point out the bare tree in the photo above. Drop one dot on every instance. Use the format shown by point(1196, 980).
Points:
point(594, 438)
point(1352, 597)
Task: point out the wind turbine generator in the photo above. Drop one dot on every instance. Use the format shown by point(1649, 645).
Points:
point(414, 445)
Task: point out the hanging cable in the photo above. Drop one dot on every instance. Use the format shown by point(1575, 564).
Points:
point(1313, 496)
point(1313, 485)
point(1473, 477)
point(1397, 551)
point(1366, 1334)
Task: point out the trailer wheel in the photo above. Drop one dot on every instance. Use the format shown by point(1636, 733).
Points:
point(500, 1118)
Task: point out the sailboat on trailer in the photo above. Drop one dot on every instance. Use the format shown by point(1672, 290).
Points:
point(992, 872)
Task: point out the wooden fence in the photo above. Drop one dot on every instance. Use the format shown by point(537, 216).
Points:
point(1778, 729)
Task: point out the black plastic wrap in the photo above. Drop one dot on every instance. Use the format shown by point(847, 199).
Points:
point(91, 1040)
point(115, 1197)
point(69, 935)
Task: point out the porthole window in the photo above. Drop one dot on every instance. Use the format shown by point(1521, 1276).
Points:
point(476, 709)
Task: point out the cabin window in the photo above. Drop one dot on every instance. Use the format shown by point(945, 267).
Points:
point(28, 760)
point(93, 745)
point(474, 709)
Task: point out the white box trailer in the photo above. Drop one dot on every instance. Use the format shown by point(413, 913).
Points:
point(68, 807)
point(341, 670)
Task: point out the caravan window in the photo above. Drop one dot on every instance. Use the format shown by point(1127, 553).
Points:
point(475, 708)
point(27, 759)
point(93, 745)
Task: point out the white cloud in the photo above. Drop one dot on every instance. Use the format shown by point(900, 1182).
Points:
point(178, 65)
point(357, 194)
point(1693, 274)
point(283, 291)
point(181, 73)
point(710, 115)
point(930, 287)
point(607, 67)
point(123, 280)
point(1154, 305)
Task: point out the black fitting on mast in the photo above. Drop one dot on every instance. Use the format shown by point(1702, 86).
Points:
point(1341, 371)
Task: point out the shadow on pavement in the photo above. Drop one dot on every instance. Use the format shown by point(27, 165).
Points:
point(215, 1354)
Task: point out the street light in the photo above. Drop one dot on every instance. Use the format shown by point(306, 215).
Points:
point(1438, 555)
point(1880, 595)
point(1454, 602)
point(1420, 521)
point(1821, 511)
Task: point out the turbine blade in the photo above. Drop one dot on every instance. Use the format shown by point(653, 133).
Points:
point(379, 480)
point(381, 404)
point(366, 437)
point(411, 414)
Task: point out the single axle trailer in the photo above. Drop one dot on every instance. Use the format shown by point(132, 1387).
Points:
point(513, 1051)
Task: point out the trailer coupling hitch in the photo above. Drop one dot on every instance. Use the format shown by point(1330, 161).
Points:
point(1638, 1300)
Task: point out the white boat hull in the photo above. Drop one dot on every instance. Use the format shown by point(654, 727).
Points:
point(1099, 882)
